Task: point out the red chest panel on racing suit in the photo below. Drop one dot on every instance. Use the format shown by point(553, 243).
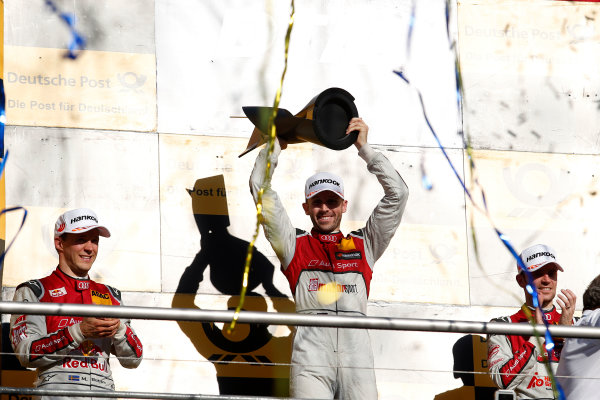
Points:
point(523, 350)
point(517, 341)
point(330, 263)
point(61, 288)
point(55, 345)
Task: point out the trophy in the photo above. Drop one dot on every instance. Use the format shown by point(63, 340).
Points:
point(322, 121)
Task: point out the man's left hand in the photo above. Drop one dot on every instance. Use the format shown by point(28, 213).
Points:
point(566, 300)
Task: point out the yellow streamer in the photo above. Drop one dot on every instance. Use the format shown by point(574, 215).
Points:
point(270, 145)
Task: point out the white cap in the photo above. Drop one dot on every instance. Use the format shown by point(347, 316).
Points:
point(322, 181)
point(537, 256)
point(79, 220)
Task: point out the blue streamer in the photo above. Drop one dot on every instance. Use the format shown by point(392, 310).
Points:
point(411, 25)
point(2, 116)
point(77, 40)
point(401, 75)
point(425, 181)
point(5, 211)
point(3, 162)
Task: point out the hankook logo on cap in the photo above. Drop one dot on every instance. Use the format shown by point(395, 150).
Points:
point(542, 254)
point(82, 217)
point(320, 181)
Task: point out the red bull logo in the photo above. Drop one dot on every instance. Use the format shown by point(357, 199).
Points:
point(84, 363)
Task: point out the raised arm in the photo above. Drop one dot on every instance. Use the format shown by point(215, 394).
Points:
point(276, 223)
point(385, 218)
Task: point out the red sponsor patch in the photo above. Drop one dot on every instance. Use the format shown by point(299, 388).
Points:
point(58, 292)
point(18, 334)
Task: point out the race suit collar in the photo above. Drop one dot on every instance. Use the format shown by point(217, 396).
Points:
point(552, 315)
point(78, 284)
point(333, 237)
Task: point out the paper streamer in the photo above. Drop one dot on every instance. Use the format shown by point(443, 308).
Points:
point(270, 145)
point(77, 40)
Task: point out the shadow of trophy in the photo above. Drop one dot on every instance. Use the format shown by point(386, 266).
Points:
point(251, 360)
point(322, 121)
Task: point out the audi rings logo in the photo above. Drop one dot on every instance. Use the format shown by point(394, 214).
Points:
point(328, 238)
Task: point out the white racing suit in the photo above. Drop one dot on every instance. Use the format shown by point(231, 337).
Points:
point(331, 274)
point(516, 363)
point(54, 345)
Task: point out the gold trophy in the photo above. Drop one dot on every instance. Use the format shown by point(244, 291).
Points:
point(322, 121)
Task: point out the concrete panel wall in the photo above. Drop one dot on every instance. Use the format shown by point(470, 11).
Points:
point(180, 72)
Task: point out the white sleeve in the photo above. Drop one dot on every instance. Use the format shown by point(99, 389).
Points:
point(385, 218)
point(275, 221)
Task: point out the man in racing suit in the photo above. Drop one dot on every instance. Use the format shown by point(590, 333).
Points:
point(72, 353)
point(330, 273)
point(516, 362)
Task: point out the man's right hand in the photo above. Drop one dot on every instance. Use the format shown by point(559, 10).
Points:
point(92, 327)
point(357, 124)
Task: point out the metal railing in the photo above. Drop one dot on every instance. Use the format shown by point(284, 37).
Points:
point(128, 395)
point(296, 319)
point(268, 318)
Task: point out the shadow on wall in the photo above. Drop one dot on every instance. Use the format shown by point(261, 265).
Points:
point(470, 365)
point(250, 360)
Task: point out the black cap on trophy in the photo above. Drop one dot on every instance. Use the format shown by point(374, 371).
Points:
point(322, 121)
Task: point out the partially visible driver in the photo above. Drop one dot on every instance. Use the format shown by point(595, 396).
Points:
point(515, 362)
point(72, 353)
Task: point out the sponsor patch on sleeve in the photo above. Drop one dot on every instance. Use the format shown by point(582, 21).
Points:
point(58, 292)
